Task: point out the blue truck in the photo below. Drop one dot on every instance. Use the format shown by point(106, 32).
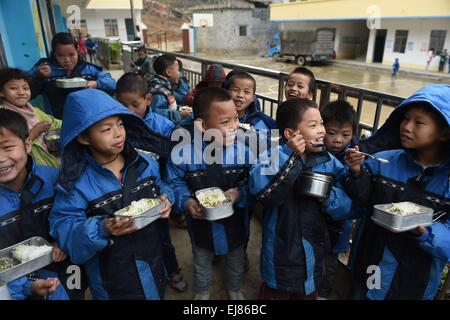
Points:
point(303, 45)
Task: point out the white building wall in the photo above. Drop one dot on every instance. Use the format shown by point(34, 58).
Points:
point(417, 42)
point(96, 24)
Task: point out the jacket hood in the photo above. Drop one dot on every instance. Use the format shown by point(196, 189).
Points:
point(85, 108)
point(437, 96)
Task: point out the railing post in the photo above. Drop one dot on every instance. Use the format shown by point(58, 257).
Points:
point(325, 94)
point(281, 81)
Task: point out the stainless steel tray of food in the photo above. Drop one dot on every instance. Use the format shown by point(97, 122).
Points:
point(215, 203)
point(142, 212)
point(4, 291)
point(51, 139)
point(402, 216)
point(315, 185)
point(76, 82)
point(25, 257)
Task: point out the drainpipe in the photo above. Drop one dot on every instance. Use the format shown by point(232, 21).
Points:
point(132, 18)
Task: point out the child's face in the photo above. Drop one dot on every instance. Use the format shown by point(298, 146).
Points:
point(337, 136)
point(241, 91)
point(16, 92)
point(67, 56)
point(223, 116)
point(13, 159)
point(106, 137)
point(419, 130)
point(297, 86)
point(135, 102)
point(142, 55)
point(311, 128)
point(173, 72)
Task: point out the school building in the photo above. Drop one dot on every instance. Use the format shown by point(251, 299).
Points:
point(374, 31)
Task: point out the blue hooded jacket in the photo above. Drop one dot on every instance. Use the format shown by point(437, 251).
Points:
point(24, 215)
point(295, 235)
point(55, 97)
point(410, 266)
point(125, 267)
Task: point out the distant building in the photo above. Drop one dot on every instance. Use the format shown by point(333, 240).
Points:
point(239, 26)
point(374, 31)
point(108, 19)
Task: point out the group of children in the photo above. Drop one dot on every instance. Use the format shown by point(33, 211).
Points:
point(115, 151)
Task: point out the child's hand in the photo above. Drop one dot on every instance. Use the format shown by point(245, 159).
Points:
point(58, 254)
point(354, 160)
point(119, 227)
point(297, 143)
point(43, 287)
point(194, 209)
point(44, 70)
point(39, 129)
point(234, 194)
point(165, 212)
point(91, 84)
point(185, 113)
point(420, 230)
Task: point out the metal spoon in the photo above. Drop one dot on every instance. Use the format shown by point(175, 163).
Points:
point(315, 145)
point(373, 157)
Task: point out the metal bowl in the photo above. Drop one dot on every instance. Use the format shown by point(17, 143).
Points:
point(220, 211)
point(314, 185)
point(400, 223)
point(145, 218)
point(26, 267)
point(51, 139)
point(4, 292)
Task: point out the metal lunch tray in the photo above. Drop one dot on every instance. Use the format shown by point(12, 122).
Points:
point(401, 223)
point(27, 267)
point(219, 212)
point(145, 218)
point(76, 82)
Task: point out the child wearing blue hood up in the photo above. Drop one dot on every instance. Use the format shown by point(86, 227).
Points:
point(101, 173)
point(408, 264)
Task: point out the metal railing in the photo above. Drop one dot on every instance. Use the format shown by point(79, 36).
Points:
point(325, 92)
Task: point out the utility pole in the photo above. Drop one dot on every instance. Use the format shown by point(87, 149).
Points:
point(132, 19)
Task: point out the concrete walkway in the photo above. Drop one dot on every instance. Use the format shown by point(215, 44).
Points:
point(441, 76)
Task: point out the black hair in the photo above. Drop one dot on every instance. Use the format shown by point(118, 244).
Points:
point(441, 123)
point(309, 74)
point(141, 49)
point(15, 123)
point(240, 75)
point(204, 99)
point(8, 74)
point(340, 112)
point(132, 82)
point(63, 38)
point(290, 113)
point(163, 62)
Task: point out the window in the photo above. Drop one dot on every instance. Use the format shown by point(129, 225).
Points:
point(261, 13)
point(437, 40)
point(111, 28)
point(401, 37)
point(243, 31)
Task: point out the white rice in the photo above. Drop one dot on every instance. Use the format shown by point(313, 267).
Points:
point(26, 253)
point(404, 208)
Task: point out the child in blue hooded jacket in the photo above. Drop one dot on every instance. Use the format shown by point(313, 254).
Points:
point(408, 264)
point(295, 235)
point(101, 173)
point(26, 197)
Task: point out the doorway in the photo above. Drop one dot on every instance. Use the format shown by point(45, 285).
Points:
point(380, 41)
